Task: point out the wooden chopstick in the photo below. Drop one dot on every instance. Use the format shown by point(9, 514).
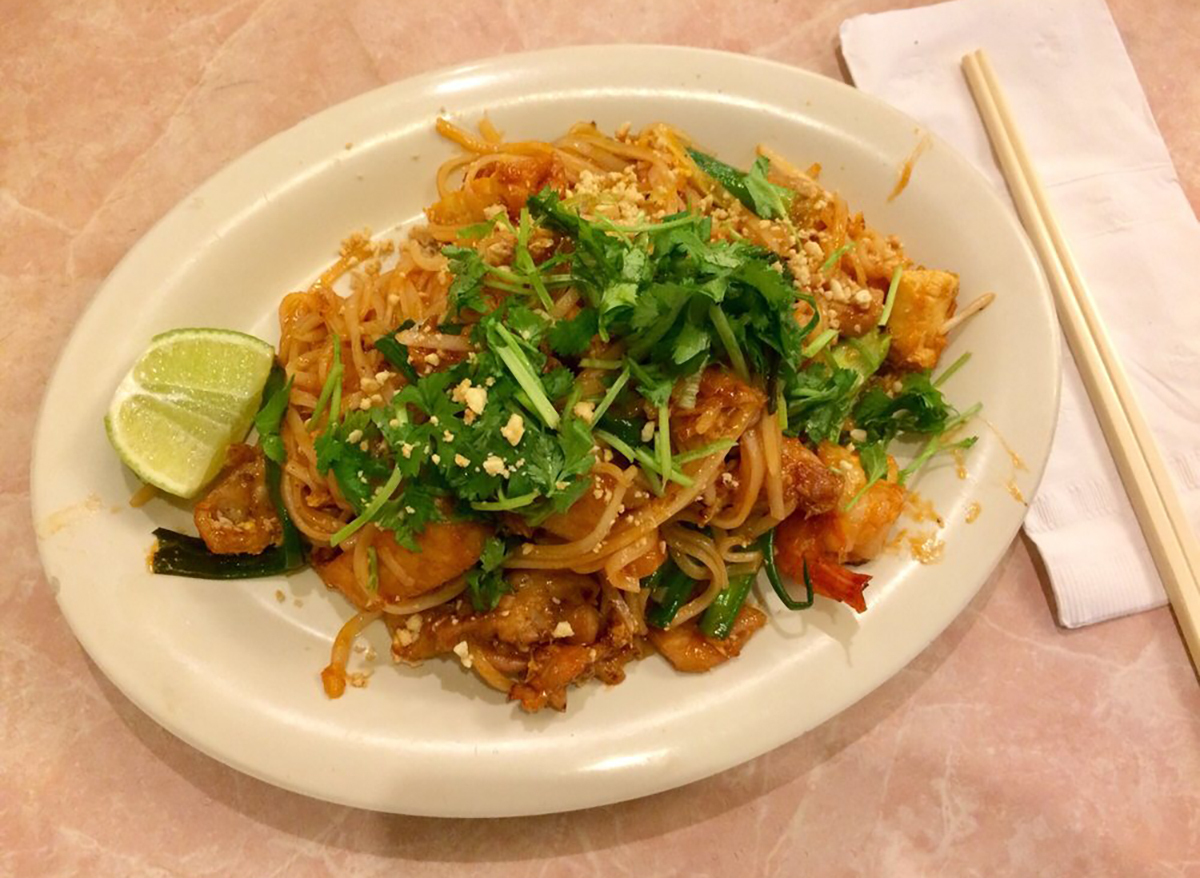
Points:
point(1172, 542)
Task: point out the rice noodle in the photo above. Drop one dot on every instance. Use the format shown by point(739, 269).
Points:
point(449, 591)
point(772, 441)
point(334, 676)
point(439, 341)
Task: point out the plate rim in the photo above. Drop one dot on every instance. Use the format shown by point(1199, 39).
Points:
point(515, 64)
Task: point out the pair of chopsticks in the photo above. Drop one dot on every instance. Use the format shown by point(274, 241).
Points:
point(1173, 544)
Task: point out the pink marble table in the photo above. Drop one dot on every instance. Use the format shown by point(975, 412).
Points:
point(1010, 747)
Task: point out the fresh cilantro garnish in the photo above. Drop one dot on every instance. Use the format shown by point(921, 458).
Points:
point(874, 460)
point(485, 582)
point(570, 338)
point(275, 402)
point(752, 189)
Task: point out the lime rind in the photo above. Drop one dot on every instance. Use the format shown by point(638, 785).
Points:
point(190, 395)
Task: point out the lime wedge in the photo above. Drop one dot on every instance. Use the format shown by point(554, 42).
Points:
point(187, 398)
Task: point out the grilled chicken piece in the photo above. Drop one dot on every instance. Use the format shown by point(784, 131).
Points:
point(236, 516)
point(529, 614)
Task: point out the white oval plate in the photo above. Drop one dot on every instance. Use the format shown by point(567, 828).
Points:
point(234, 671)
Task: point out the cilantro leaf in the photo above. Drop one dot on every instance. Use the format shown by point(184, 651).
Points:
point(469, 269)
point(275, 402)
point(874, 460)
point(485, 582)
point(407, 514)
point(752, 189)
point(570, 338)
point(819, 400)
point(918, 407)
point(770, 201)
point(690, 342)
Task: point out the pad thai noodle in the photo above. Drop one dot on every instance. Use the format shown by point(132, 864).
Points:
point(567, 420)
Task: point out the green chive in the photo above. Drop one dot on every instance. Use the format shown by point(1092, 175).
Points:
point(600, 364)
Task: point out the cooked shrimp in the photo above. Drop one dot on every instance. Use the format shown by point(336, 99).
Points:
point(822, 544)
point(446, 549)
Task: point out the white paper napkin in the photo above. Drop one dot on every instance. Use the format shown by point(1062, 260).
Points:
point(1111, 183)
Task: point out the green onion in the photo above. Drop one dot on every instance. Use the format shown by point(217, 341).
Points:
point(177, 554)
point(689, 390)
point(818, 344)
point(505, 503)
point(835, 256)
point(953, 367)
point(331, 391)
point(588, 363)
point(372, 570)
point(371, 509)
point(610, 396)
point(518, 364)
point(766, 544)
point(293, 543)
point(675, 586)
point(889, 300)
point(720, 615)
point(729, 340)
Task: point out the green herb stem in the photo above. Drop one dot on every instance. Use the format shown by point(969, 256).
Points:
point(889, 300)
point(371, 509)
point(818, 344)
point(729, 341)
point(518, 364)
point(611, 395)
point(951, 369)
point(835, 256)
point(505, 503)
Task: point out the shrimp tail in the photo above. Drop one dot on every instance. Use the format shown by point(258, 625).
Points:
point(839, 583)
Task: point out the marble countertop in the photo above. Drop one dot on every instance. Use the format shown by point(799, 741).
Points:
point(1009, 747)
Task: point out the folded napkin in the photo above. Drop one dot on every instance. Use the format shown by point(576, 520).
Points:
point(1112, 186)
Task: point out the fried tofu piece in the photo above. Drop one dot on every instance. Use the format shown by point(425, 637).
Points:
point(925, 299)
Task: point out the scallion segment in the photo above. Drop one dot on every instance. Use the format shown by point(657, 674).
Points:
point(675, 587)
point(718, 618)
point(766, 544)
point(177, 554)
